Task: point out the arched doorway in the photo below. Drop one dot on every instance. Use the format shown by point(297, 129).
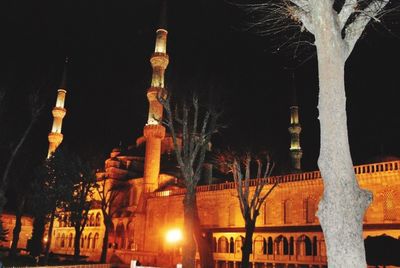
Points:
point(120, 236)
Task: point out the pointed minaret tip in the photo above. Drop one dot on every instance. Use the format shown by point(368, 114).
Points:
point(163, 15)
point(293, 93)
point(63, 83)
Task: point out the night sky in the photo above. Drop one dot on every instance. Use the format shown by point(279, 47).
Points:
point(109, 44)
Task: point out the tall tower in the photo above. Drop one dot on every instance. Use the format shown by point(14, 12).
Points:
point(294, 129)
point(153, 131)
point(55, 136)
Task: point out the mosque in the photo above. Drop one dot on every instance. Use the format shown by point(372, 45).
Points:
point(149, 206)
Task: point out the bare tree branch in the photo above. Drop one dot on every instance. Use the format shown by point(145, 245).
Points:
point(348, 8)
point(303, 4)
point(35, 108)
point(299, 14)
point(354, 30)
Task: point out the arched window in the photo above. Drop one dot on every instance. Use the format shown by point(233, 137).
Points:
point(268, 209)
point(130, 235)
point(111, 236)
point(98, 219)
point(62, 240)
point(315, 246)
point(58, 240)
point(65, 220)
point(239, 244)
point(95, 239)
point(264, 246)
point(91, 220)
point(223, 245)
point(282, 245)
point(309, 209)
point(305, 247)
point(83, 239)
point(258, 245)
point(270, 246)
point(70, 237)
point(231, 245)
point(291, 245)
point(287, 209)
point(89, 240)
point(120, 236)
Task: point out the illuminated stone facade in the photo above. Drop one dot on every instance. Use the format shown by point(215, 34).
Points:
point(287, 230)
point(8, 221)
point(91, 239)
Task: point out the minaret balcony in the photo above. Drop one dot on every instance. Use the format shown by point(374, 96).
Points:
point(154, 131)
point(55, 137)
point(154, 92)
point(295, 128)
point(160, 60)
point(59, 112)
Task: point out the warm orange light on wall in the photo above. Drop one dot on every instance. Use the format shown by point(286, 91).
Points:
point(174, 236)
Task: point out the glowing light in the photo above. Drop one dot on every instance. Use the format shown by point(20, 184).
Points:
point(45, 239)
point(174, 236)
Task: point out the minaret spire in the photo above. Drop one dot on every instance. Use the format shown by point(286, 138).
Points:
point(294, 129)
point(55, 136)
point(154, 132)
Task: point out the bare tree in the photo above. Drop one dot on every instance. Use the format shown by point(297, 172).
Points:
point(80, 199)
point(336, 25)
point(35, 109)
point(250, 197)
point(197, 126)
point(108, 191)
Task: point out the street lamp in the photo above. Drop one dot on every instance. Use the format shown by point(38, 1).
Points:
point(173, 237)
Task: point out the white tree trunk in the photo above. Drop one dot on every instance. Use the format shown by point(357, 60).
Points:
point(343, 205)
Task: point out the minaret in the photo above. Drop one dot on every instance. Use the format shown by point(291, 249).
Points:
point(294, 129)
point(154, 132)
point(55, 136)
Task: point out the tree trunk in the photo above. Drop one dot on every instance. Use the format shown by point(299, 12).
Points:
point(189, 245)
point(343, 204)
point(203, 240)
point(104, 248)
point(49, 236)
point(18, 225)
point(248, 243)
point(77, 239)
point(35, 246)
